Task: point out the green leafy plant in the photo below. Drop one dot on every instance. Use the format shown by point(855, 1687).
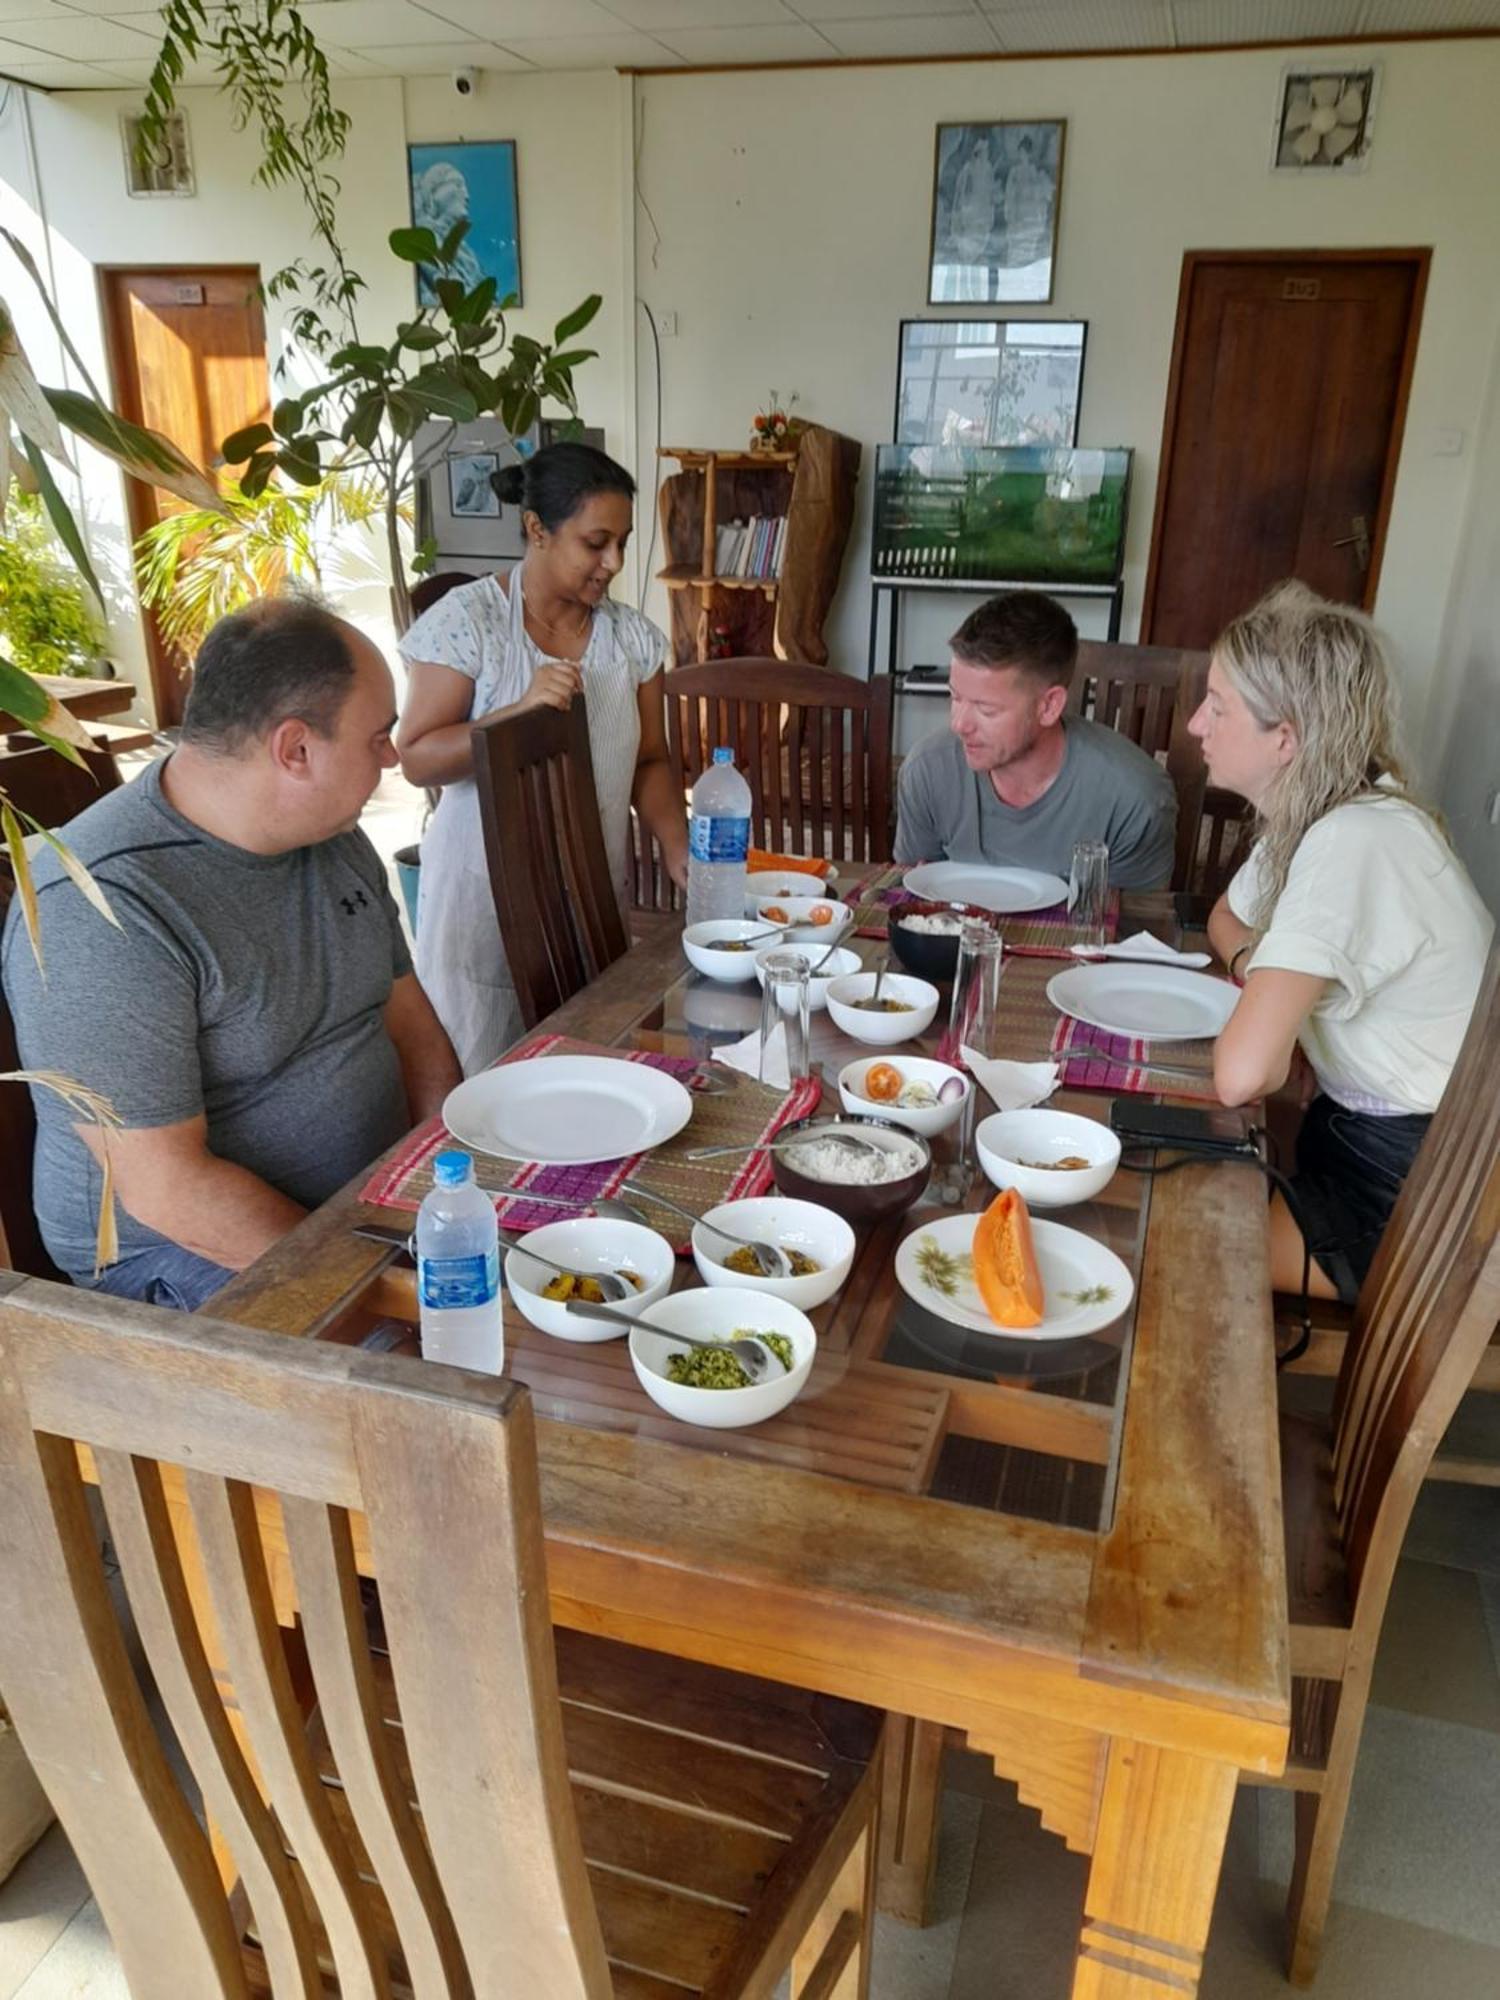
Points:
point(198, 565)
point(46, 623)
point(451, 362)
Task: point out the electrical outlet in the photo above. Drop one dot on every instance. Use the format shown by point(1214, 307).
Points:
point(1447, 444)
point(666, 325)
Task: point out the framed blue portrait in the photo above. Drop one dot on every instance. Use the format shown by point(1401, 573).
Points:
point(474, 179)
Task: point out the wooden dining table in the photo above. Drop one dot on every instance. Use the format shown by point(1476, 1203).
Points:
point(1070, 1553)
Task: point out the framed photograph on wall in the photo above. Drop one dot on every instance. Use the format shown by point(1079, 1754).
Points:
point(471, 490)
point(474, 179)
point(457, 506)
point(989, 381)
point(995, 194)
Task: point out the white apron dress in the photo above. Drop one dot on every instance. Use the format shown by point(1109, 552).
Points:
point(479, 630)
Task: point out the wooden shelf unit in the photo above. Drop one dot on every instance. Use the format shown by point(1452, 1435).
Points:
point(752, 482)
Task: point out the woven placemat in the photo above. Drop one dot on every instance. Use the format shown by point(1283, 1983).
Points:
point(749, 1113)
point(1030, 933)
point(1030, 1029)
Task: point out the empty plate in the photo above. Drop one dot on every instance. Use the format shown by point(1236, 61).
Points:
point(1086, 1287)
point(1006, 891)
point(563, 1110)
point(1150, 1003)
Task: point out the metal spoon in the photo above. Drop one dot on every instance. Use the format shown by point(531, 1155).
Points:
point(612, 1286)
point(772, 1259)
point(750, 1353)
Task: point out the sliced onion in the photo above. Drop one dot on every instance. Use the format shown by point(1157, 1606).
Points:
point(952, 1090)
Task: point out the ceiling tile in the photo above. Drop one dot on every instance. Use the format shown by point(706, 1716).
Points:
point(32, 10)
point(819, 11)
point(125, 7)
point(58, 75)
point(1211, 21)
point(196, 74)
point(655, 15)
point(372, 24)
point(505, 20)
point(83, 37)
point(917, 35)
point(1086, 24)
point(406, 60)
point(1389, 17)
point(766, 43)
point(616, 51)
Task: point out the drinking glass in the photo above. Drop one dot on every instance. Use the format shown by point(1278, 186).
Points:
point(1088, 888)
point(972, 1024)
point(785, 1001)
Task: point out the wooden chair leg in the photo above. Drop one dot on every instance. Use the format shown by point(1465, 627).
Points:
point(911, 1793)
point(833, 1960)
point(1319, 1828)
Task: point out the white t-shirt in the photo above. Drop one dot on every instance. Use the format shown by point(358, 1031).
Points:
point(1378, 904)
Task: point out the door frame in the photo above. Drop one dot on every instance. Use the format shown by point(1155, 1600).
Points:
point(168, 686)
point(1417, 256)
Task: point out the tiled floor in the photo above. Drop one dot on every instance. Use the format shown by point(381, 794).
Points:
point(1418, 1904)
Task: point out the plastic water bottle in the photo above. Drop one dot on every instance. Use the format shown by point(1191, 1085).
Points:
point(718, 842)
point(458, 1269)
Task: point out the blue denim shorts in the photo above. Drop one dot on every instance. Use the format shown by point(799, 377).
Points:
point(1350, 1169)
point(165, 1276)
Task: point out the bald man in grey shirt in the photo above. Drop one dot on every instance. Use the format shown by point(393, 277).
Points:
point(1012, 780)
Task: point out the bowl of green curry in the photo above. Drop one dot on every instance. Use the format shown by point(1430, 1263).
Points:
point(709, 1389)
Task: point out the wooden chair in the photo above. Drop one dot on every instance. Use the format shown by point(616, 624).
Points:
point(555, 902)
point(815, 747)
point(1422, 1323)
point(21, 1246)
point(605, 1823)
point(51, 789)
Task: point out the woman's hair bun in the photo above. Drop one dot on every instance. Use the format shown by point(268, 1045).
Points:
point(509, 484)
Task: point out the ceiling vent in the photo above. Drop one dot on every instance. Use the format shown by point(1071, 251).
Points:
point(166, 166)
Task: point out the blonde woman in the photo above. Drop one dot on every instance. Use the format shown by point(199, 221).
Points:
point(1353, 927)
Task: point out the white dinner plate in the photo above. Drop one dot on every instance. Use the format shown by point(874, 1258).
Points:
point(1085, 1285)
point(1152, 1003)
point(1006, 891)
point(562, 1110)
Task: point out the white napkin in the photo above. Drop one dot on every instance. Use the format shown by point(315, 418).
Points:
point(1144, 946)
point(1014, 1086)
point(745, 1057)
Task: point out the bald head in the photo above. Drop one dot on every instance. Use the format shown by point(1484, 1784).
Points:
point(281, 659)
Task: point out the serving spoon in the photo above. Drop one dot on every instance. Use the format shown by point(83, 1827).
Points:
point(750, 1352)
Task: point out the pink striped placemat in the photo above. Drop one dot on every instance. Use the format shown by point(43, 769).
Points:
point(749, 1114)
point(1030, 933)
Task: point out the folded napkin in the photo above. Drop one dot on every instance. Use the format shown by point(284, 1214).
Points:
point(1013, 1086)
point(1144, 946)
point(745, 1057)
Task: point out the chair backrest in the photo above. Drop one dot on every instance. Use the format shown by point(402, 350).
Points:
point(227, 1458)
point(21, 1246)
point(430, 590)
point(555, 902)
point(1426, 1311)
point(814, 745)
point(51, 789)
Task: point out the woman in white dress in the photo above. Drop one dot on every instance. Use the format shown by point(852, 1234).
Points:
point(1353, 928)
point(543, 638)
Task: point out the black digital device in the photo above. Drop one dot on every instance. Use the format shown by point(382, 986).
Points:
point(1180, 1128)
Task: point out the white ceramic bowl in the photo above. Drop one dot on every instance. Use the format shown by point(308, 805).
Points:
point(841, 962)
point(730, 967)
point(795, 1225)
point(929, 1119)
point(714, 1313)
point(882, 1031)
point(768, 882)
point(814, 917)
point(1008, 1138)
point(587, 1243)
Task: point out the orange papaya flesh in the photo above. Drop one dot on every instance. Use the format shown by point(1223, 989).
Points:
point(1005, 1266)
point(759, 862)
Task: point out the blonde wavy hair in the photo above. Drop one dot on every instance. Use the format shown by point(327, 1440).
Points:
point(1323, 668)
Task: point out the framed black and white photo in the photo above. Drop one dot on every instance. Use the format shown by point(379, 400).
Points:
point(989, 381)
point(471, 491)
point(995, 195)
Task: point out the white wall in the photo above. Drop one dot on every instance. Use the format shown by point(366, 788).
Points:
point(1464, 732)
point(793, 211)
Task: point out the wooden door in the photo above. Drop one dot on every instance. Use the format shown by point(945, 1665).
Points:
point(1284, 415)
point(188, 353)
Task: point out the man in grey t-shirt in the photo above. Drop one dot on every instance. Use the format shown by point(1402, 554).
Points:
point(1013, 781)
point(252, 1015)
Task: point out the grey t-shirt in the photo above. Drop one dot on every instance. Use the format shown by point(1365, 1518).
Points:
point(1107, 789)
point(248, 987)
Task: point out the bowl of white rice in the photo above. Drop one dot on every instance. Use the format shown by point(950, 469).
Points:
point(862, 1186)
point(924, 936)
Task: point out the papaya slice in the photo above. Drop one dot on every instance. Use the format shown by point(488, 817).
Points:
point(759, 862)
point(1005, 1266)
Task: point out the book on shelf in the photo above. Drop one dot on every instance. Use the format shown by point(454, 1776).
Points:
point(751, 549)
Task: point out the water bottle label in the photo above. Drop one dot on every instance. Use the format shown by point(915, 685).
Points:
point(446, 1282)
point(712, 838)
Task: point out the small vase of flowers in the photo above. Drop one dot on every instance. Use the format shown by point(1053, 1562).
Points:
point(774, 428)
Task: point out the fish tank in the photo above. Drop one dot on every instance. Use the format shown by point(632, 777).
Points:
point(996, 514)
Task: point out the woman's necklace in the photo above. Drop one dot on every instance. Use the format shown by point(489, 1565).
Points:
point(573, 637)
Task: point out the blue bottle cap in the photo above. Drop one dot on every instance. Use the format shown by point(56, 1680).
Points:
point(452, 1169)
point(723, 756)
